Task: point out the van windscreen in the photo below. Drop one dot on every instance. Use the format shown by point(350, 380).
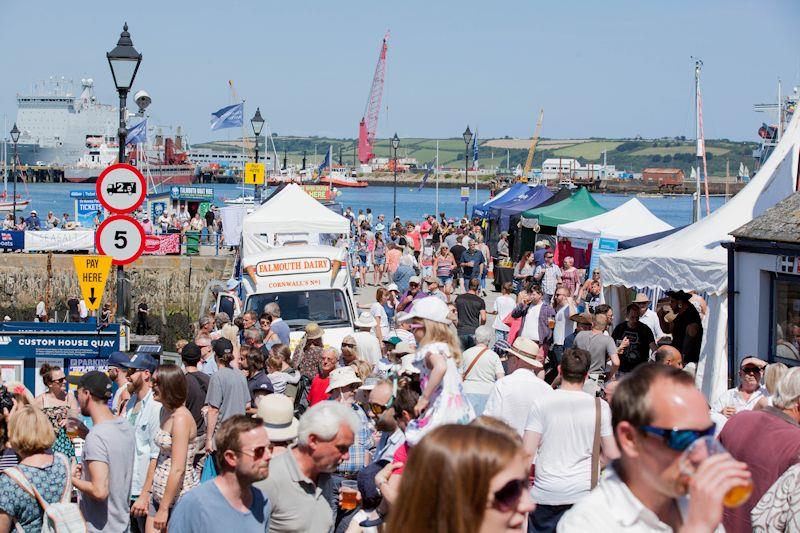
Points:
point(326, 307)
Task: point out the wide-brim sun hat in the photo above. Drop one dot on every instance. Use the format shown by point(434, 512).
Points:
point(403, 348)
point(277, 412)
point(365, 320)
point(313, 331)
point(342, 377)
point(429, 308)
point(582, 318)
point(527, 350)
point(641, 298)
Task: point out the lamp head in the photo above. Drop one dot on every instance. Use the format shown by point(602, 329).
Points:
point(257, 122)
point(467, 136)
point(124, 61)
point(395, 141)
point(15, 134)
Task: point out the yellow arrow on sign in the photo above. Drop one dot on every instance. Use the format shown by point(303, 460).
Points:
point(92, 273)
point(254, 173)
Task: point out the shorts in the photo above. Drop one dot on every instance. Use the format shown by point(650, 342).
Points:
point(379, 260)
point(444, 279)
point(363, 261)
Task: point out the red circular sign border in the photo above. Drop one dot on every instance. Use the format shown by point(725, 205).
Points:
point(104, 223)
point(98, 187)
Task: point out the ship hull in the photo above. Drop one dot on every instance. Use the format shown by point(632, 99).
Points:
point(343, 183)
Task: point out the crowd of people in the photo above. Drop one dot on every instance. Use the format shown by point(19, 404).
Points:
point(448, 408)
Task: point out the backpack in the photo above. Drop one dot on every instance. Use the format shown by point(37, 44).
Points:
point(59, 517)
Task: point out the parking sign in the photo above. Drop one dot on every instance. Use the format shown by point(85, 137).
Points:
point(121, 188)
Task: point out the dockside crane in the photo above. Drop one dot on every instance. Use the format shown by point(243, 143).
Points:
point(532, 150)
point(369, 122)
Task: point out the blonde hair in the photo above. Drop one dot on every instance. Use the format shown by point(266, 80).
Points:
point(30, 431)
point(363, 369)
point(773, 375)
point(438, 332)
point(230, 332)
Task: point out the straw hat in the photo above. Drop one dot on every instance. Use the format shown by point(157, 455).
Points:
point(313, 331)
point(527, 350)
point(582, 318)
point(641, 298)
point(403, 348)
point(365, 320)
point(342, 377)
point(277, 412)
point(429, 308)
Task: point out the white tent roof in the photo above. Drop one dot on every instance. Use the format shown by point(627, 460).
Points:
point(290, 211)
point(629, 220)
point(692, 258)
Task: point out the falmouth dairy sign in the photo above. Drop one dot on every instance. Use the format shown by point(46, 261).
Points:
point(22, 340)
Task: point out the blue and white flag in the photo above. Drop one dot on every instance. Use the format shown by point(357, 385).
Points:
point(426, 176)
point(231, 116)
point(325, 162)
point(137, 134)
point(475, 150)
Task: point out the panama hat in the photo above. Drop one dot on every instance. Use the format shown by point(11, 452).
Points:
point(581, 318)
point(760, 363)
point(429, 308)
point(365, 320)
point(313, 331)
point(527, 350)
point(392, 287)
point(342, 377)
point(403, 348)
point(641, 298)
point(277, 412)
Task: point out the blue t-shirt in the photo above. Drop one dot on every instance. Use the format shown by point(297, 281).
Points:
point(204, 508)
point(477, 260)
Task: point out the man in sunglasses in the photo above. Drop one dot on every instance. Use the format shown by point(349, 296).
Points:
point(746, 395)
point(768, 440)
point(657, 413)
point(381, 406)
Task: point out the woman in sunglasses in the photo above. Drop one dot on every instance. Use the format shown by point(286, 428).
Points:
point(58, 406)
point(463, 478)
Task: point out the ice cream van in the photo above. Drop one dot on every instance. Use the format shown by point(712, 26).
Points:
point(310, 283)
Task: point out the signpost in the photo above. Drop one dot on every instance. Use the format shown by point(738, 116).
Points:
point(254, 173)
point(464, 194)
point(120, 237)
point(121, 188)
point(92, 271)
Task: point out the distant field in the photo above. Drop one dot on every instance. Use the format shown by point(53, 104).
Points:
point(591, 150)
point(672, 150)
point(524, 144)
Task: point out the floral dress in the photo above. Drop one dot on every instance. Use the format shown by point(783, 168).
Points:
point(57, 414)
point(163, 441)
point(447, 405)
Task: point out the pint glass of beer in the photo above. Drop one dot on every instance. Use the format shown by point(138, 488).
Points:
point(348, 491)
point(699, 451)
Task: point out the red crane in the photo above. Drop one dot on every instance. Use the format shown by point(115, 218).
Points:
point(369, 122)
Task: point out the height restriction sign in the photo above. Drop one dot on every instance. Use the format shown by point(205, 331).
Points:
point(92, 271)
point(120, 237)
point(121, 188)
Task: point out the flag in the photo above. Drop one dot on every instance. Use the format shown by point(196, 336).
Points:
point(228, 117)
point(137, 134)
point(425, 177)
point(475, 150)
point(325, 162)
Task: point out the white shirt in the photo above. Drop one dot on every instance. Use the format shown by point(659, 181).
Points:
point(734, 398)
point(512, 396)
point(650, 319)
point(367, 346)
point(564, 326)
point(377, 311)
point(613, 508)
point(531, 327)
point(82, 309)
point(483, 373)
point(503, 305)
point(565, 420)
point(40, 311)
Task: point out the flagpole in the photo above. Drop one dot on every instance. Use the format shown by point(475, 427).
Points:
point(436, 171)
point(330, 167)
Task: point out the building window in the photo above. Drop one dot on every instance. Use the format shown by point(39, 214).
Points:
point(786, 319)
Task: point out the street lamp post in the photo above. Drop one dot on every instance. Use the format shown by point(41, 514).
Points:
point(258, 124)
point(395, 146)
point(14, 138)
point(124, 62)
point(467, 140)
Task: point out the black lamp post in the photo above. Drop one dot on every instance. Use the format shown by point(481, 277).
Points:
point(467, 141)
point(15, 138)
point(258, 124)
point(124, 61)
point(395, 146)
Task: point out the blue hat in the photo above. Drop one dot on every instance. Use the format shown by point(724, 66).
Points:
point(118, 359)
point(142, 361)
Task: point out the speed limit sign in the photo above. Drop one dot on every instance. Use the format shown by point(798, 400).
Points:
point(120, 237)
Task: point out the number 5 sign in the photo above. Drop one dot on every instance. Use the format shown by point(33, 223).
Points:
point(121, 238)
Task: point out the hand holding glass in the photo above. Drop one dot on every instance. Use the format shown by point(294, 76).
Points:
point(699, 451)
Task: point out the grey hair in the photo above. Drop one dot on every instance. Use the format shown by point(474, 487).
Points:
point(324, 420)
point(253, 334)
point(788, 391)
point(273, 310)
point(484, 335)
point(330, 349)
point(205, 319)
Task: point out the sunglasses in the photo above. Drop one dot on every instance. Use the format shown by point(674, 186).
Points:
point(59, 380)
point(416, 326)
point(751, 370)
point(679, 439)
point(507, 498)
point(378, 409)
point(346, 345)
point(256, 453)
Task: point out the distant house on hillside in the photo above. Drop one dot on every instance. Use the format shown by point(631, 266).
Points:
point(663, 177)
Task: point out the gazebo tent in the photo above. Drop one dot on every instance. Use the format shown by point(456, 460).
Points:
point(644, 239)
point(290, 211)
point(482, 210)
point(693, 259)
point(508, 207)
point(579, 206)
point(629, 220)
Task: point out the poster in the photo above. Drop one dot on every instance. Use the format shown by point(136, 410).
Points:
point(39, 387)
point(601, 246)
point(12, 240)
point(11, 370)
point(80, 366)
point(163, 244)
point(86, 207)
point(156, 209)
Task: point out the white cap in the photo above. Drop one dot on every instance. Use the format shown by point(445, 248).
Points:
point(429, 308)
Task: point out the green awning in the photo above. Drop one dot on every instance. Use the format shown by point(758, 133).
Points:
point(577, 207)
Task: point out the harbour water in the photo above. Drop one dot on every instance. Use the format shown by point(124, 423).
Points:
point(411, 204)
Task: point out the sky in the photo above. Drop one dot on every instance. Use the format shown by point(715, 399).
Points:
point(616, 68)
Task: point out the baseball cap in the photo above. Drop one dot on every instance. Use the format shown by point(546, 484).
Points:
point(97, 383)
point(260, 382)
point(118, 359)
point(191, 353)
point(142, 361)
point(222, 346)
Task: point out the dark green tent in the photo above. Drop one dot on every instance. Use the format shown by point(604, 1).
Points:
point(577, 207)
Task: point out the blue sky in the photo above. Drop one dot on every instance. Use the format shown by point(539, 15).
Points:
point(613, 68)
